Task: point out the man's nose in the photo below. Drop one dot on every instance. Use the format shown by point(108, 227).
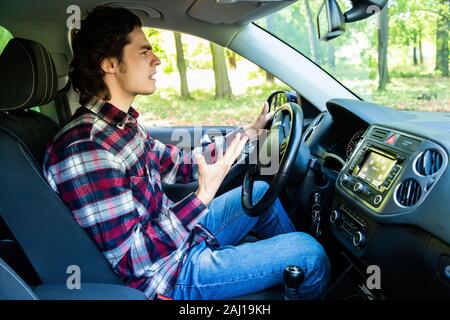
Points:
point(155, 61)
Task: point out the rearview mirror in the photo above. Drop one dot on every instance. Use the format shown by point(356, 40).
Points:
point(363, 9)
point(330, 21)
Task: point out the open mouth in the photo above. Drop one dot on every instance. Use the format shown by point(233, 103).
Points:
point(152, 76)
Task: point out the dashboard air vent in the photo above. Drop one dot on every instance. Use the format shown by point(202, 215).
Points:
point(318, 119)
point(408, 193)
point(308, 133)
point(313, 126)
point(379, 134)
point(429, 162)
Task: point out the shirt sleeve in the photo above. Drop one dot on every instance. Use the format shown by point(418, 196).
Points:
point(94, 185)
point(180, 166)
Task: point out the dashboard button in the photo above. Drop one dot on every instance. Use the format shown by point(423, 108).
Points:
point(358, 187)
point(335, 216)
point(447, 272)
point(344, 178)
point(377, 199)
point(359, 238)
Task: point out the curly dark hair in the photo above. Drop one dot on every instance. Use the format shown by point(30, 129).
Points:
point(103, 33)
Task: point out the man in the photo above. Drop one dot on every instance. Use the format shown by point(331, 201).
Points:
point(109, 170)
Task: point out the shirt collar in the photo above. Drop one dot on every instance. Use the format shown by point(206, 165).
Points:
point(112, 114)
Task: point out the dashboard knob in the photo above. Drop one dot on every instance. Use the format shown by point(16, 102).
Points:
point(335, 216)
point(359, 238)
point(377, 199)
point(344, 178)
point(358, 187)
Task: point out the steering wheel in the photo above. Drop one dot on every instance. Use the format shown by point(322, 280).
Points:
point(276, 156)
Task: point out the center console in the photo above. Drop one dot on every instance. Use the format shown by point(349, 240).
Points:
point(388, 173)
point(370, 174)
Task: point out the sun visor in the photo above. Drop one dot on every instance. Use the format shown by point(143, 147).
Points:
point(241, 12)
point(143, 11)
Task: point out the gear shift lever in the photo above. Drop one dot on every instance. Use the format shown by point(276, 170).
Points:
point(293, 276)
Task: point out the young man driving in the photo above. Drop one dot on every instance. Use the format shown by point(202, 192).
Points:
point(109, 171)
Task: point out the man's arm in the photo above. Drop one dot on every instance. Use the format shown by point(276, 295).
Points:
point(181, 166)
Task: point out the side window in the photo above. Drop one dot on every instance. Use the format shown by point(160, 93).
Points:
point(5, 36)
point(201, 83)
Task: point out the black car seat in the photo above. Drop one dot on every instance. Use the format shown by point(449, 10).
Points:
point(12, 287)
point(39, 221)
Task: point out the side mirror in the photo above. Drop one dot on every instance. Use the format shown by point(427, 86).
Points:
point(330, 21)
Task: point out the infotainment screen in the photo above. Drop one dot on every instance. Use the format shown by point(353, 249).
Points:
point(376, 168)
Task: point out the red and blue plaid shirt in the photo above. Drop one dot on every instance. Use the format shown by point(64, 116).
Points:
point(108, 170)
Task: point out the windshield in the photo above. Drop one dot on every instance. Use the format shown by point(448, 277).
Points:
point(398, 57)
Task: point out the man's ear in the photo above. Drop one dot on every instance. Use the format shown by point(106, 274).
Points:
point(109, 65)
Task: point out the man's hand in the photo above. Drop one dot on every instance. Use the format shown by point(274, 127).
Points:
point(253, 130)
point(211, 176)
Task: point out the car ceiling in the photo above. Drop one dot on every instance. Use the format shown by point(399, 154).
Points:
point(45, 20)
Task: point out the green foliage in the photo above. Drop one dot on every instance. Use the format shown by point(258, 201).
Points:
point(200, 56)
point(412, 72)
point(255, 74)
point(154, 36)
point(168, 66)
point(166, 107)
point(353, 61)
point(416, 94)
point(411, 21)
point(5, 36)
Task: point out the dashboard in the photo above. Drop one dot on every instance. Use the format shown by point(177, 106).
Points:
point(391, 195)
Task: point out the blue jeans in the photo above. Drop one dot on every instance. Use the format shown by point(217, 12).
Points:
point(233, 270)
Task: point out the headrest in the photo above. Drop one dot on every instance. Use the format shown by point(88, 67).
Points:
point(27, 75)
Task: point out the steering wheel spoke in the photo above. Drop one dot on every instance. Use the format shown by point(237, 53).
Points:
point(283, 146)
point(285, 134)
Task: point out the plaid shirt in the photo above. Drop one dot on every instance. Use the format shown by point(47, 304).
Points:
point(108, 171)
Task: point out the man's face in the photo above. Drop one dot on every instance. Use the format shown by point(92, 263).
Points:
point(138, 67)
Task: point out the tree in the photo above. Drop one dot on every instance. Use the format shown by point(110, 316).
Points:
point(410, 22)
point(420, 52)
point(181, 65)
point(313, 41)
point(383, 33)
point(331, 58)
point(231, 57)
point(442, 29)
point(270, 77)
point(223, 88)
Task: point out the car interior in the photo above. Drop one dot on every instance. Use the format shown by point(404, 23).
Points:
point(368, 181)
